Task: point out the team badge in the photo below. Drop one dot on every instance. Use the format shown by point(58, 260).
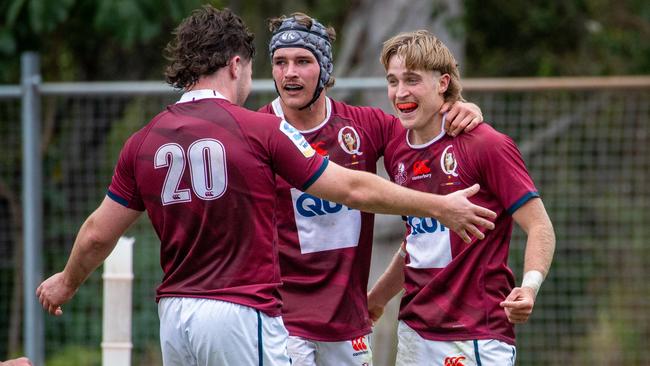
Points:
point(448, 162)
point(400, 177)
point(350, 141)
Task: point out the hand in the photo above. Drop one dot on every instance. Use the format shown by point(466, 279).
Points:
point(519, 304)
point(462, 216)
point(461, 117)
point(23, 361)
point(53, 293)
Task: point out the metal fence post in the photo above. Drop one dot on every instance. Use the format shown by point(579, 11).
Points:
point(32, 206)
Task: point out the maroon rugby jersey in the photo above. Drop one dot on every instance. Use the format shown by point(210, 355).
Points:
point(325, 247)
point(204, 170)
point(453, 289)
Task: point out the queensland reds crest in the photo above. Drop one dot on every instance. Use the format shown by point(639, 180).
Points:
point(400, 177)
point(350, 141)
point(448, 162)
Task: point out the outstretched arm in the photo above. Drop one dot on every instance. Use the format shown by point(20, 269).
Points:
point(370, 193)
point(534, 220)
point(95, 241)
point(461, 117)
point(389, 284)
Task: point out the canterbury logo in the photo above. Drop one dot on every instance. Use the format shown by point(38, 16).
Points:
point(454, 361)
point(420, 167)
point(359, 344)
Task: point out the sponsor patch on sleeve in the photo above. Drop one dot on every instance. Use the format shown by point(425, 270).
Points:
point(297, 138)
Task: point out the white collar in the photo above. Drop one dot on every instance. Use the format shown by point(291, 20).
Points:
point(433, 140)
point(194, 95)
point(277, 109)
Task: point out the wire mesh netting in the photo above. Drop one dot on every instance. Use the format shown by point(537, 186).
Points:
point(586, 150)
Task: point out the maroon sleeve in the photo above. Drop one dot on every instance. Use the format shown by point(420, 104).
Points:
point(293, 158)
point(123, 188)
point(496, 163)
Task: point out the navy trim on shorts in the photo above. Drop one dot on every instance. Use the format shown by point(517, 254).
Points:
point(117, 199)
point(520, 202)
point(260, 344)
point(476, 354)
point(316, 175)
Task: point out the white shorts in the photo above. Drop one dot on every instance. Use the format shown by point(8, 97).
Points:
point(203, 332)
point(413, 350)
point(305, 352)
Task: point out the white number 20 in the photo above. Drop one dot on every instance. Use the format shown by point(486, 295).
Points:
point(207, 162)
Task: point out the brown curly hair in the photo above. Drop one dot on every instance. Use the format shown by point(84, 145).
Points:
point(205, 42)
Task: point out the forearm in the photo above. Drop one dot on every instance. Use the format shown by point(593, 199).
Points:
point(390, 283)
point(89, 251)
point(371, 193)
point(540, 247)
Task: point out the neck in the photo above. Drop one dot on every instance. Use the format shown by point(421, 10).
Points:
point(219, 82)
point(427, 132)
point(307, 118)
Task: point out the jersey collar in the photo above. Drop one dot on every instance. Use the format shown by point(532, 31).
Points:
point(277, 109)
point(433, 140)
point(194, 95)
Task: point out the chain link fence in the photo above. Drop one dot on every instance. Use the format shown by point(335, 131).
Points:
point(587, 150)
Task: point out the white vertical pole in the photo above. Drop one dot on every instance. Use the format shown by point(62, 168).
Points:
point(116, 327)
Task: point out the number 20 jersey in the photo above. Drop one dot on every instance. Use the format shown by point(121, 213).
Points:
point(453, 289)
point(204, 170)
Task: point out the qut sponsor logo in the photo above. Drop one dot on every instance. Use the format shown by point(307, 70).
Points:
point(423, 225)
point(310, 206)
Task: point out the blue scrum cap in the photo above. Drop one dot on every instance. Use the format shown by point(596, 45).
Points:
point(292, 34)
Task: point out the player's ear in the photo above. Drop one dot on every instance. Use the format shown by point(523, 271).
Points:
point(443, 83)
point(234, 67)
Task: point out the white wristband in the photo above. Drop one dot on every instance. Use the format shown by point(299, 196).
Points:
point(533, 279)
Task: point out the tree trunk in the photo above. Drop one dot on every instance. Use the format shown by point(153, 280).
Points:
point(374, 21)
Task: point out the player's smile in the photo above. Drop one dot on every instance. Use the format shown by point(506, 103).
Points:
point(417, 96)
point(406, 107)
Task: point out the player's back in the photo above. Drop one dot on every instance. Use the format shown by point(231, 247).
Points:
point(203, 171)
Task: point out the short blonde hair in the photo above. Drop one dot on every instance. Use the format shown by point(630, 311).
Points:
point(421, 50)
